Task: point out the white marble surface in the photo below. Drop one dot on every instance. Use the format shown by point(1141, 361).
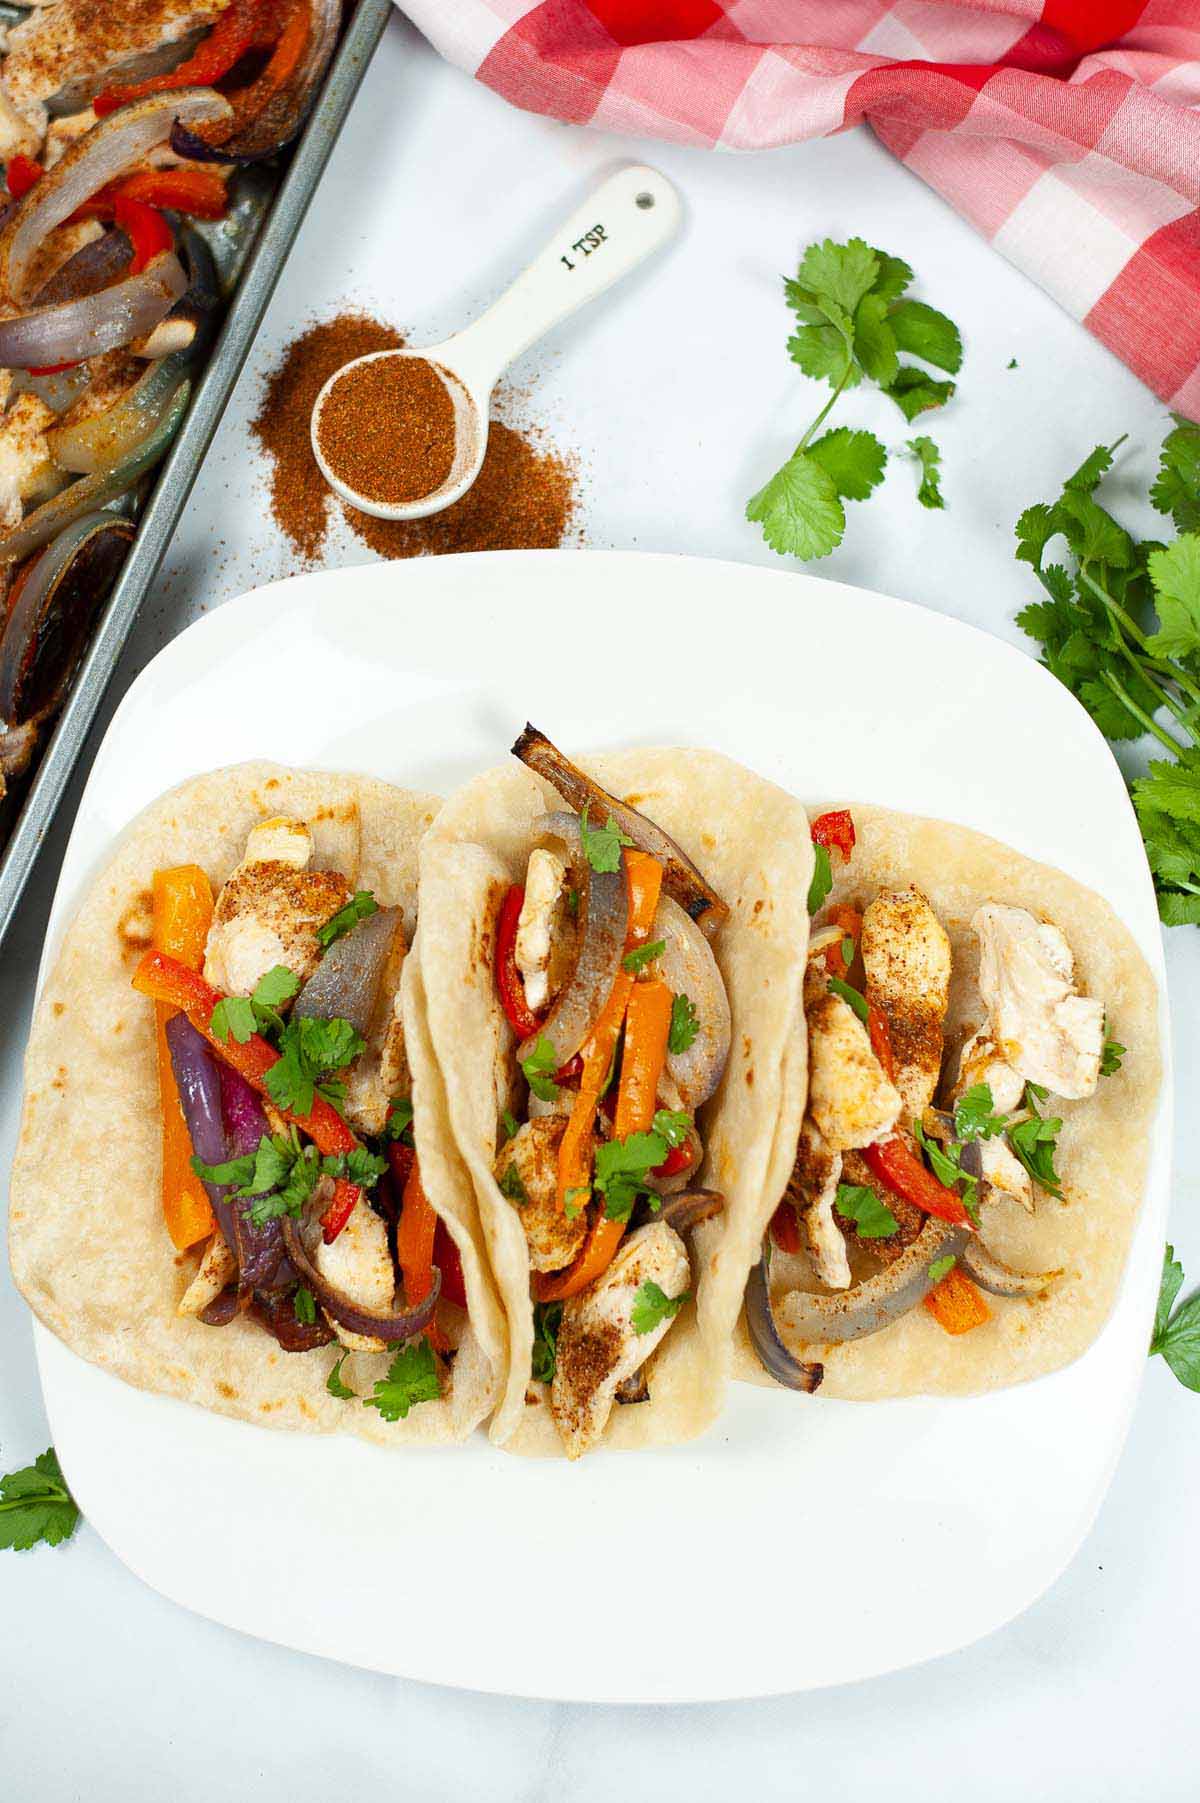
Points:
point(678, 398)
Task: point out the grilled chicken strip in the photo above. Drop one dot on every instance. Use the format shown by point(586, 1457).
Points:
point(217, 1268)
point(270, 908)
point(544, 880)
point(980, 1062)
point(598, 1346)
point(1041, 1025)
point(906, 955)
point(850, 1100)
point(527, 1167)
point(813, 1188)
point(359, 1264)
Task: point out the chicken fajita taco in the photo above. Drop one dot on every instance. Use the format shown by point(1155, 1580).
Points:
point(971, 1143)
point(233, 1183)
point(607, 954)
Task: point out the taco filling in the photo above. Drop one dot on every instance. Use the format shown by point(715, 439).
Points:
point(605, 973)
point(289, 1168)
point(916, 1132)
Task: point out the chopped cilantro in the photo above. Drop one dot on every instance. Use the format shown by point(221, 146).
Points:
point(822, 879)
point(652, 1305)
point(359, 907)
point(509, 1122)
point(1035, 1142)
point(511, 1185)
point(233, 1015)
point(942, 1267)
point(412, 1377)
point(36, 1505)
point(857, 1202)
point(641, 955)
point(282, 1174)
point(620, 1166)
point(547, 1319)
point(674, 1124)
point(538, 1067)
point(242, 1016)
point(685, 1025)
point(400, 1119)
point(304, 1306)
point(602, 844)
point(973, 1114)
point(334, 1384)
point(945, 1162)
point(1176, 1335)
point(1111, 1058)
point(929, 493)
point(310, 1052)
point(851, 997)
point(575, 1199)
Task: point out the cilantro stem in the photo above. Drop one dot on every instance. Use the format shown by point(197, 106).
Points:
point(1139, 714)
point(1131, 627)
point(830, 403)
point(52, 1493)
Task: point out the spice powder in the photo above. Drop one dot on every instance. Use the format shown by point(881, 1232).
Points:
point(387, 428)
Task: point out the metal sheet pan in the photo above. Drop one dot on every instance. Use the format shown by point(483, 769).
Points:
point(179, 469)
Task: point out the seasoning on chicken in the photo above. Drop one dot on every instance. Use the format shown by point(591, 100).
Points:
point(598, 1345)
point(1041, 1025)
point(906, 955)
point(217, 1267)
point(544, 879)
point(270, 908)
point(359, 1264)
point(27, 470)
point(527, 1172)
point(850, 1100)
point(980, 1062)
point(813, 1188)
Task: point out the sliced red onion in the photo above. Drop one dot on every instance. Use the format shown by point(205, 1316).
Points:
point(92, 161)
point(45, 631)
point(634, 1389)
point(600, 946)
point(45, 522)
point(681, 878)
point(1000, 1279)
point(875, 1303)
point(221, 1310)
point(689, 968)
point(92, 267)
point(391, 1325)
point(76, 329)
point(199, 1086)
point(59, 390)
point(773, 1355)
point(278, 1316)
point(259, 1250)
point(688, 1207)
point(345, 984)
point(264, 129)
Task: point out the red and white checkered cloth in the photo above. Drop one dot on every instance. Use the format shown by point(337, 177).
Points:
point(1066, 131)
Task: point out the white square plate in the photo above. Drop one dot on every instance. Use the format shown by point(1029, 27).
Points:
point(425, 1564)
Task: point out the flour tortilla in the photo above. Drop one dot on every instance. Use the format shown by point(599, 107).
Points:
point(751, 841)
point(1103, 1148)
point(89, 1249)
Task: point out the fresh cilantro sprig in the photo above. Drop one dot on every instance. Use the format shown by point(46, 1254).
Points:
point(547, 1319)
point(641, 955)
point(360, 906)
point(282, 1173)
point(621, 1167)
point(310, 1052)
point(852, 323)
point(1119, 625)
point(538, 1068)
point(399, 1123)
point(602, 844)
point(36, 1505)
point(685, 1024)
point(241, 1016)
point(652, 1306)
point(1177, 1330)
point(411, 1377)
point(857, 1202)
point(1035, 1142)
point(945, 1163)
point(335, 1385)
point(975, 1116)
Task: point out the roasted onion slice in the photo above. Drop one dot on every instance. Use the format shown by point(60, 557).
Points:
point(680, 876)
point(600, 946)
point(998, 1278)
point(880, 1299)
point(773, 1355)
point(269, 113)
point(392, 1325)
point(345, 984)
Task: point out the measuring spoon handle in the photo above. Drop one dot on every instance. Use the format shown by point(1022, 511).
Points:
point(628, 217)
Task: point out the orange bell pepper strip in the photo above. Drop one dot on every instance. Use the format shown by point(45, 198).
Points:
point(643, 875)
point(182, 915)
point(647, 1024)
point(165, 979)
point(415, 1231)
point(956, 1304)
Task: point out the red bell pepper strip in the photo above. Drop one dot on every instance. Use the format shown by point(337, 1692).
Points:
point(415, 1233)
point(511, 985)
point(21, 173)
point(401, 1159)
point(677, 1159)
point(448, 1261)
point(146, 229)
point(897, 1165)
point(198, 192)
point(835, 829)
point(165, 979)
point(244, 25)
point(785, 1228)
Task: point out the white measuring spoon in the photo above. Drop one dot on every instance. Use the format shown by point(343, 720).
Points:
point(632, 214)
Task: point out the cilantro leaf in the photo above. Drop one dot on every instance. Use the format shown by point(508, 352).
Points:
point(512, 1186)
point(547, 1319)
point(1175, 573)
point(304, 1306)
point(1176, 1330)
point(621, 1164)
point(538, 1067)
point(874, 340)
point(235, 1171)
point(335, 1385)
point(685, 1024)
point(974, 1116)
point(929, 493)
point(1096, 464)
point(279, 985)
point(850, 996)
point(310, 1051)
point(674, 1124)
point(652, 1305)
point(799, 510)
point(914, 392)
point(233, 1015)
point(400, 1119)
point(1176, 488)
point(1035, 1142)
point(575, 1199)
point(1111, 1058)
point(359, 907)
point(853, 461)
point(946, 1165)
point(508, 1121)
point(841, 273)
point(893, 278)
point(942, 1267)
point(602, 844)
point(641, 955)
point(822, 879)
point(412, 1377)
point(857, 1202)
point(822, 352)
point(36, 1505)
point(928, 334)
